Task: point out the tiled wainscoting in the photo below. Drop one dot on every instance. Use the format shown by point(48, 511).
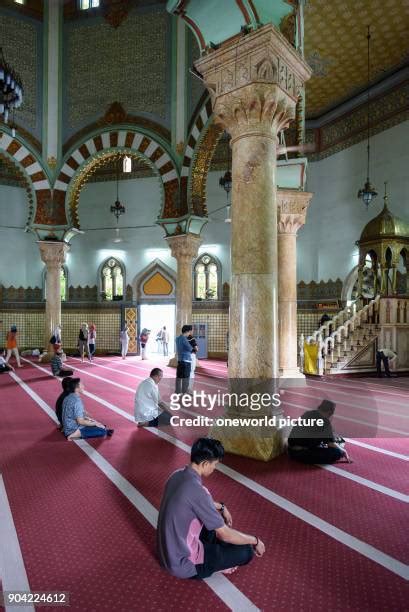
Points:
point(107, 318)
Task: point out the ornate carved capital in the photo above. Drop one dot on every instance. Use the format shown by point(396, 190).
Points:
point(53, 253)
point(185, 246)
point(255, 109)
point(263, 57)
point(292, 210)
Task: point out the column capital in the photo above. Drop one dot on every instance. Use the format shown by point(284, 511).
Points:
point(184, 246)
point(254, 80)
point(292, 210)
point(53, 253)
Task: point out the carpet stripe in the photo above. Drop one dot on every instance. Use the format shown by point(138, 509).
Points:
point(222, 587)
point(13, 573)
point(377, 449)
point(372, 553)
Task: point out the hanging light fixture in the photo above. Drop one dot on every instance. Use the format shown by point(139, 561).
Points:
point(117, 209)
point(226, 180)
point(368, 193)
point(11, 89)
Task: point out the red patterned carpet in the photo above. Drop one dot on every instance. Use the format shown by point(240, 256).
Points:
point(85, 513)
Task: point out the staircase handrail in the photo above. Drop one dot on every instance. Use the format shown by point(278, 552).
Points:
point(328, 341)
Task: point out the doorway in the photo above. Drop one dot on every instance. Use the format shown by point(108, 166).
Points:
point(154, 317)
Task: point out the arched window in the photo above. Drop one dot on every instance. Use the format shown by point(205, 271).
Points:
point(112, 280)
point(206, 275)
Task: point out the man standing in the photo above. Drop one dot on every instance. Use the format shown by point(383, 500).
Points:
point(184, 353)
point(384, 355)
point(194, 536)
point(150, 411)
point(165, 341)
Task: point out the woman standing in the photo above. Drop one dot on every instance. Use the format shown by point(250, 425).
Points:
point(143, 339)
point(83, 341)
point(11, 345)
point(92, 338)
point(124, 338)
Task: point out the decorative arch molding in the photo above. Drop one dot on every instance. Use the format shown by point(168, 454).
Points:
point(155, 267)
point(114, 140)
point(30, 167)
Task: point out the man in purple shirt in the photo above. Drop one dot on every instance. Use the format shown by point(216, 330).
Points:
point(194, 536)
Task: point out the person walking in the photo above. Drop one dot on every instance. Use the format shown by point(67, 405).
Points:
point(165, 341)
point(92, 338)
point(83, 341)
point(143, 339)
point(11, 345)
point(124, 338)
point(159, 342)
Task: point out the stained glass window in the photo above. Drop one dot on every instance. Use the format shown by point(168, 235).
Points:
point(206, 278)
point(112, 280)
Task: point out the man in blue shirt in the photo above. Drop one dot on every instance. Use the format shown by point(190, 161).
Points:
point(184, 353)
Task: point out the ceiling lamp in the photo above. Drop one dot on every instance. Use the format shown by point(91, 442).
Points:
point(11, 89)
point(368, 193)
point(117, 209)
point(226, 180)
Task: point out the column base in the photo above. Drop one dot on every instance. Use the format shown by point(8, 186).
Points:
point(292, 373)
point(259, 443)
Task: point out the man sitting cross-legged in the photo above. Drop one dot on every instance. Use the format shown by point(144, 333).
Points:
point(314, 441)
point(76, 422)
point(195, 536)
point(150, 410)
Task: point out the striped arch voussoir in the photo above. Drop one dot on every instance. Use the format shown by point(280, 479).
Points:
point(37, 183)
point(136, 143)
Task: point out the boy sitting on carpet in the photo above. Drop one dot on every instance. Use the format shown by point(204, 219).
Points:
point(76, 422)
point(56, 363)
point(194, 536)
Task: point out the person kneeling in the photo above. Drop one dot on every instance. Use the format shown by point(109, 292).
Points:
point(194, 535)
point(76, 422)
point(56, 363)
point(316, 443)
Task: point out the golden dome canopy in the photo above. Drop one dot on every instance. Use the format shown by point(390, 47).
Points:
point(385, 225)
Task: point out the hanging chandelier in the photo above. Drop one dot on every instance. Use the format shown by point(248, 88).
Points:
point(11, 89)
point(368, 193)
point(117, 209)
point(225, 181)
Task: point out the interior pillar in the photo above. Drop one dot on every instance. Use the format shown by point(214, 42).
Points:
point(254, 82)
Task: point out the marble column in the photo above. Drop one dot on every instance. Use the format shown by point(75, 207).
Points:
point(292, 210)
point(184, 249)
point(53, 255)
point(254, 82)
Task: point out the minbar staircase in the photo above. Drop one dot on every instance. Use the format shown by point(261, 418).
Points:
point(347, 343)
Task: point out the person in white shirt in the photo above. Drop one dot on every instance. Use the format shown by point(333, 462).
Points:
point(150, 411)
point(384, 355)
